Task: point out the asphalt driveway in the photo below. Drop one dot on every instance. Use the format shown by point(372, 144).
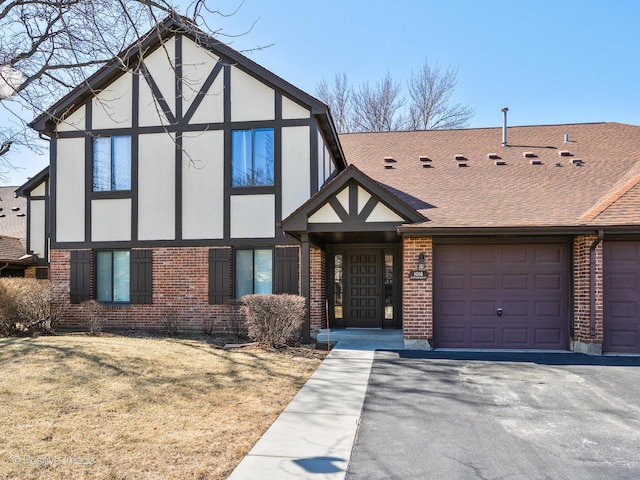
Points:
point(446, 415)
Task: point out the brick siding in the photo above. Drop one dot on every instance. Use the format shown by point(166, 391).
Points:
point(180, 283)
point(581, 290)
point(318, 289)
point(417, 295)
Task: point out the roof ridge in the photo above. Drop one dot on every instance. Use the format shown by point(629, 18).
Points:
point(612, 196)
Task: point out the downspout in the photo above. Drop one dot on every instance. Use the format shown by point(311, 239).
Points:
point(6, 264)
point(592, 282)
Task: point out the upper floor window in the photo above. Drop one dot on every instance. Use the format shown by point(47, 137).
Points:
point(111, 163)
point(252, 157)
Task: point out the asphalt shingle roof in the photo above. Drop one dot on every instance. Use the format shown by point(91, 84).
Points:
point(13, 220)
point(518, 194)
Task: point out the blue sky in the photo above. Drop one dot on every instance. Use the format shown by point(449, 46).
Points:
point(548, 61)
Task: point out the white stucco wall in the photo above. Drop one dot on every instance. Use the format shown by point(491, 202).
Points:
point(156, 187)
point(160, 65)
point(70, 192)
point(37, 239)
point(296, 168)
point(382, 213)
point(250, 99)
point(111, 220)
point(40, 190)
point(111, 108)
point(253, 216)
point(74, 122)
point(197, 64)
point(326, 214)
point(363, 198)
point(203, 185)
point(150, 114)
point(291, 109)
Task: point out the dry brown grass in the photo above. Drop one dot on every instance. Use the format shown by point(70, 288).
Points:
point(117, 407)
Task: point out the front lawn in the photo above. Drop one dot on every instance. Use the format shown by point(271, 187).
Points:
point(119, 407)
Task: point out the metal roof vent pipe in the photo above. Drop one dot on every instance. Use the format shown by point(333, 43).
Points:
point(504, 126)
point(566, 138)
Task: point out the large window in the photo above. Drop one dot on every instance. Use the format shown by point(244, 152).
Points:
point(253, 271)
point(113, 278)
point(111, 163)
point(252, 157)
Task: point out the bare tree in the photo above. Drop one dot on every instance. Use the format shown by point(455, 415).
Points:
point(58, 44)
point(337, 96)
point(430, 108)
point(378, 108)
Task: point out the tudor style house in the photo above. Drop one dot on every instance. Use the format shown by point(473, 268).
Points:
point(195, 176)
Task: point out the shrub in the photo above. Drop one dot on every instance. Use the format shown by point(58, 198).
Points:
point(273, 319)
point(93, 312)
point(29, 306)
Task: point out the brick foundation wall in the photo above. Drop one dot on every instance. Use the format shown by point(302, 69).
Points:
point(180, 294)
point(417, 295)
point(581, 291)
point(318, 289)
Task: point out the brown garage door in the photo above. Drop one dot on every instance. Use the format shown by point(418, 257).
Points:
point(501, 296)
point(621, 297)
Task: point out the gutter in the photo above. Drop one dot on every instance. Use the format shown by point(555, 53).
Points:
point(592, 282)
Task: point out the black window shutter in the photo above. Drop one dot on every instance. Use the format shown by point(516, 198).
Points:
point(219, 276)
point(286, 270)
point(80, 276)
point(141, 276)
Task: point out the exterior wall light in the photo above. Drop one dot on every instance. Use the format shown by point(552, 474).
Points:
point(421, 264)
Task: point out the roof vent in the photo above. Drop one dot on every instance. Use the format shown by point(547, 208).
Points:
point(577, 162)
point(20, 215)
point(389, 160)
point(459, 157)
point(424, 159)
point(558, 164)
point(493, 156)
point(462, 164)
point(388, 166)
point(504, 126)
point(15, 209)
point(566, 138)
point(536, 162)
point(500, 162)
point(529, 155)
point(564, 153)
point(427, 165)
point(2, 215)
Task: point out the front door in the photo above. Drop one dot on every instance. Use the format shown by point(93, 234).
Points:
point(364, 286)
point(363, 289)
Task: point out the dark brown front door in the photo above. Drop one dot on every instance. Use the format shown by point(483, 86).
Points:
point(621, 297)
point(363, 289)
point(501, 296)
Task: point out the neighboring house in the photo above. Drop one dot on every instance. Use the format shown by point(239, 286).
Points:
point(176, 192)
point(14, 258)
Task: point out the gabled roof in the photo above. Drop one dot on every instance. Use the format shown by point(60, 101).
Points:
point(13, 210)
point(298, 221)
point(33, 182)
point(165, 29)
point(540, 185)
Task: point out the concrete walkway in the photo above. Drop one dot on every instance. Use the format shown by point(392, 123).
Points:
point(313, 437)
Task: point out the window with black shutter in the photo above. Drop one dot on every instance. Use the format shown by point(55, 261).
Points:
point(286, 270)
point(80, 276)
point(219, 276)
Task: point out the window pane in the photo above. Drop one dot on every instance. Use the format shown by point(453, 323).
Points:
point(121, 163)
point(241, 158)
point(262, 271)
point(101, 164)
point(388, 287)
point(337, 285)
point(104, 262)
point(263, 157)
point(121, 279)
point(244, 272)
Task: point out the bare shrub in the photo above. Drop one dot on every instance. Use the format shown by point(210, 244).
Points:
point(235, 325)
point(29, 306)
point(273, 319)
point(93, 312)
point(170, 324)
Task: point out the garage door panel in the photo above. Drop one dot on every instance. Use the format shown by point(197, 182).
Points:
point(487, 336)
point(621, 297)
point(515, 337)
point(522, 280)
point(515, 281)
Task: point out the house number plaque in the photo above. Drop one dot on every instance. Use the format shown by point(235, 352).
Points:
point(418, 274)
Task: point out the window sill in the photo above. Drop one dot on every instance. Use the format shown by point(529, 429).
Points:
point(111, 194)
point(263, 189)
